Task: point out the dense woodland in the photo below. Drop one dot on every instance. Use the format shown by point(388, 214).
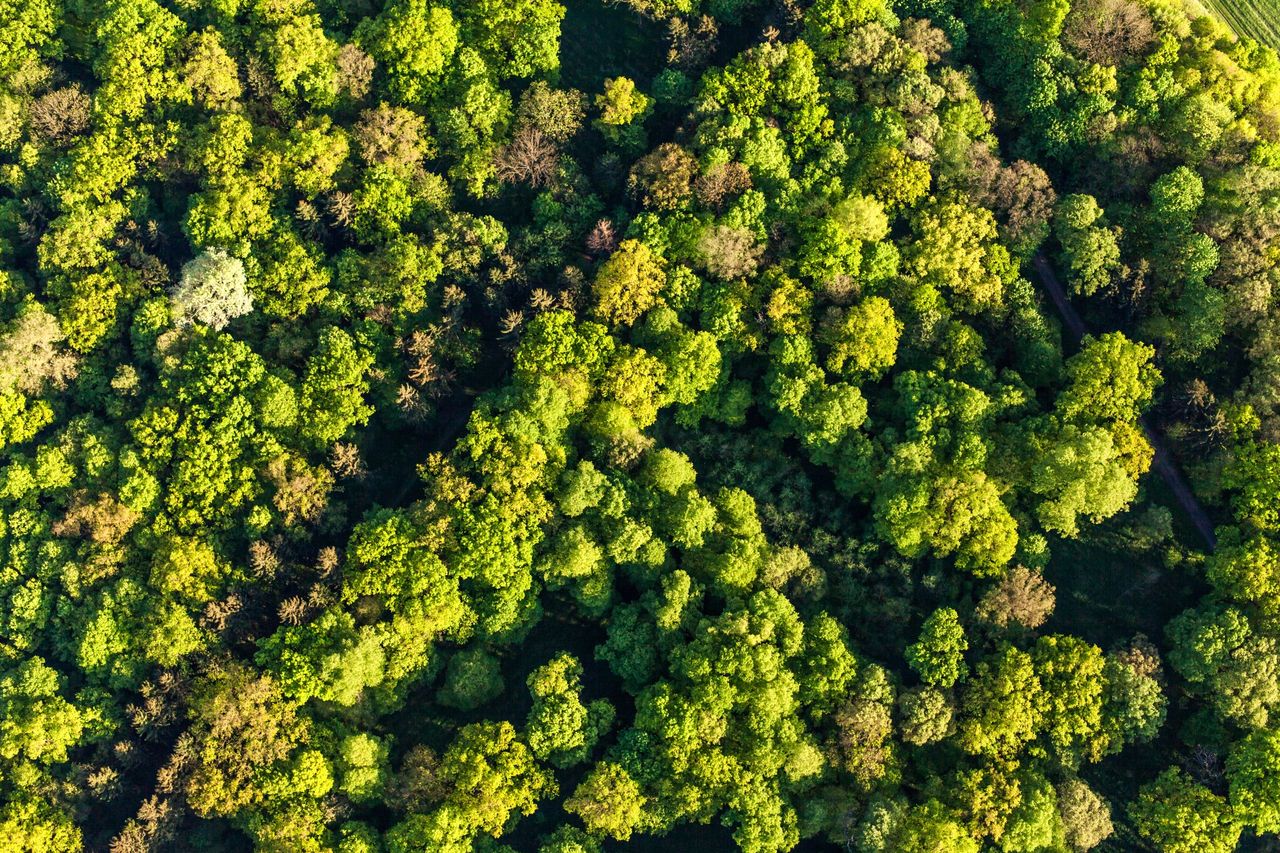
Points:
point(450, 425)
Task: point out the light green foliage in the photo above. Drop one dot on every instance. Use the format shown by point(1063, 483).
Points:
point(1035, 824)
point(333, 389)
point(1248, 571)
point(957, 513)
point(1002, 705)
point(1070, 673)
point(413, 40)
point(1111, 378)
point(244, 734)
point(302, 58)
point(1090, 247)
point(36, 722)
point(930, 827)
point(1217, 649)
point(345, 367)
point(1253, 771)
point(628, 283)
point(35, 827)
point(331, 659)
point(938, 656)
point(560, 727)
point(210, 72)
point(518, 39)
point(863, 341)
point(956, 250)
point(362, 767)
point(1082, 474)
point(1180, 816)
point(491, 777)
point(621, 103)
point(608, 801)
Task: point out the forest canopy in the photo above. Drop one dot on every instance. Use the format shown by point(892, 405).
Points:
point(521, 425)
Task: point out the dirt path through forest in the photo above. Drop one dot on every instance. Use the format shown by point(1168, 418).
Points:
point(1164, 463)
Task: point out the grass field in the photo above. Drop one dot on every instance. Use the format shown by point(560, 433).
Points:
point(1258, 19)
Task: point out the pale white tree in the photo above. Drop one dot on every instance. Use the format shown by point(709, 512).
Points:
point(212, 290)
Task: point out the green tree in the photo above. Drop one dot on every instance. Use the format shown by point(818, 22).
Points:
point(1086, 816)
point(560, 727)
point(334, 388)
point(1110, 379)
point(938, 656)
point(413, 41)
point(517, 39)
point(1253, 771)
point(1090, 246)
point(609, 802)
point(1178, 815)
point(36, 723)
point(472, 680)
point(628, 284)
point(1001, 708)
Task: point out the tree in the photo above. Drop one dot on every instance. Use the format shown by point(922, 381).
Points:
point(623, 109)
point(560, 728)
point(1070, 672)
point(926, 715)
point(863, 340)
point(392, 136)
point(1133, 699)
point(955, 249)
point(472, 680)
point(36, 723)
point(1079, 472)
point(621, 103)
point(1035, 824)
point(213, 290)
point(728, 252)
point(519, 39)
point(210, 71)
point(413, 41)
point(609, 802)
point(1248, 571)
point(930, 827)
point(663, 178)
point(1253, 771)
point(330, 659)
point(628, 283)
point(1179, 816)
point(1217, 649)
point(243, 732)
point(950, 513)
point(492, 775)
point(34, 826)
point(1110, 379)
point(1021, 596)
point(1090, 247)
point(556, 113)
point(30, 355)
point(333, 388)
point(1086, 817)
point(362, 767)
point(1001, 708)
point(938, 656)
